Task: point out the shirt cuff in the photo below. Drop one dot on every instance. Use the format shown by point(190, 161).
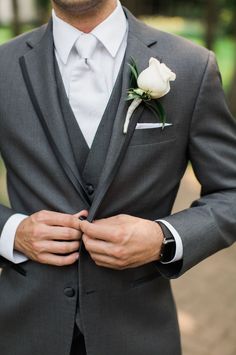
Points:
point(179, 244)
point(7, 239)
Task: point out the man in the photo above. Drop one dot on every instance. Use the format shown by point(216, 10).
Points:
point(101, 286)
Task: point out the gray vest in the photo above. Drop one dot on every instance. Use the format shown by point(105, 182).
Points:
point(90, 161)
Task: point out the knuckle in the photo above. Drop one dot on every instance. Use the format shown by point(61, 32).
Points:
point(94, 258)
point(60, 262)
point(41, 215)
point(69, 233)
point(74, 245)
point(118, 235)
point(64, 248)
point(86, 241)
point(119, 253)
point(69, 247)
point(41, 259)
point(121, 264)
point(98, 263)
point(35, 246)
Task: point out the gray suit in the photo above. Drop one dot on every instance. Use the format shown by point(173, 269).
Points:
point(129, 312)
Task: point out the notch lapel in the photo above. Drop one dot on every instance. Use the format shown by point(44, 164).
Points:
point(39, 73)
point(138, 48)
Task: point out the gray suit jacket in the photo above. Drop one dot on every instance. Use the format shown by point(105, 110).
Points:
point(127, 312)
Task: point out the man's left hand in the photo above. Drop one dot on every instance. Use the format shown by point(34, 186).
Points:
point(122, 241)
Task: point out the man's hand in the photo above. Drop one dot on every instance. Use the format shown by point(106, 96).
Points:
point(50, 237)
point(122, 241)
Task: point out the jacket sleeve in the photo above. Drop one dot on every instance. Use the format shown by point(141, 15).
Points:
point(209, 225)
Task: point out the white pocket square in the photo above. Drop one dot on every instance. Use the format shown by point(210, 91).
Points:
point(151, 125)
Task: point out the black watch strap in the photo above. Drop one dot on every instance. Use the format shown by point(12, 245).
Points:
point(168, 247)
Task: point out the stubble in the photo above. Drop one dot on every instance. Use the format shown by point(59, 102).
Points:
point(79, 6)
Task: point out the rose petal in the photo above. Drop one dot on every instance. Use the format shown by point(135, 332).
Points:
point(156, 79)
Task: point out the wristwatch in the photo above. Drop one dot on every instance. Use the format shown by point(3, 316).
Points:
point(168, 249)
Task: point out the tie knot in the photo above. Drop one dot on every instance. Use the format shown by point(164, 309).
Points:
point(86, 45)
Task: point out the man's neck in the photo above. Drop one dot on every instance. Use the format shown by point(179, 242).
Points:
point(86, 22)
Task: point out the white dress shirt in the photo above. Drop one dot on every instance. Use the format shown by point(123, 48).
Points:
point(108, 56)
point(112, 41)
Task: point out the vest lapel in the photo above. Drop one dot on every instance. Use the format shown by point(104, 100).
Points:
point(38, 71)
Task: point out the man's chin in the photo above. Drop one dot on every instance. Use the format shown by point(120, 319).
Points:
point(77, 6)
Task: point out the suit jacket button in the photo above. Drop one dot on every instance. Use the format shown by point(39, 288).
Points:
point(90, 189)
point(69, 292)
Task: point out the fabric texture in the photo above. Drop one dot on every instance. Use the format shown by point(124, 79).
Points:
point(130, 312)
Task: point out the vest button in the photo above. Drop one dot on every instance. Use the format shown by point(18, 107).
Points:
point(90, 189)
point(69, 292)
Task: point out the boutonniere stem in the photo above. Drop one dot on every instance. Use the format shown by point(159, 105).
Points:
point(147, 87)
point(134, 105)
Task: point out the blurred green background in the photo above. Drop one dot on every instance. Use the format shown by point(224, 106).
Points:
point(206, 294)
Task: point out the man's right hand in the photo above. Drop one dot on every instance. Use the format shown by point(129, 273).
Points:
point(50, 237)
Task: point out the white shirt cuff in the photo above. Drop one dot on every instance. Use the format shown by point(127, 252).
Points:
point(7, 239)
point(179, 244)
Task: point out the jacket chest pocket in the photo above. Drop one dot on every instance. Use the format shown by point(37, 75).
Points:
point(153, 135)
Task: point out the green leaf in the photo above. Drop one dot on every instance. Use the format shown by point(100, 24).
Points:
point(133, 73)
point(154, 110)
point(134, 65)
point(132, 96)
point(162, 111)
point(158, 110)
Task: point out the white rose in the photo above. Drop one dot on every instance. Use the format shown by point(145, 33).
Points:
point(156, 79)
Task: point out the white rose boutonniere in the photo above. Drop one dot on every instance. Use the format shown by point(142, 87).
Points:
point(148, 86)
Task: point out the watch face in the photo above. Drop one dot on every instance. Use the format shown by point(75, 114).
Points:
point(169, 248)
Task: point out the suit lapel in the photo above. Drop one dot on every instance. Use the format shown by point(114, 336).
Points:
point(138, 48)
point(39, 73)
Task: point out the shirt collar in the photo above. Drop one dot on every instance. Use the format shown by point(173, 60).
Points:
point(110, 33)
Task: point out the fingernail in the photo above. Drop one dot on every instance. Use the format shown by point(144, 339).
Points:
point(77, 257)
point(82, 218)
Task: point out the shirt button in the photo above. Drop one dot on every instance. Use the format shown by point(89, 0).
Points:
point(90, 189)
point(69, 292)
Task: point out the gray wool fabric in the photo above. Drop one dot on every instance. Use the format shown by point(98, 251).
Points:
point(129, 312)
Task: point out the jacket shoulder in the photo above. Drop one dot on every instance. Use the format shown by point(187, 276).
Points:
point(19, 44)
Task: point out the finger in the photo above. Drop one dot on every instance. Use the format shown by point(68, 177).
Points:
point(61, 233)
point(83, 213)
point(57, 260)
point(57, 219)
point(114, 220)
point(97, 246)
point(100, 231)
point(104, 259)
point(111, 262)
point(61, 247)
